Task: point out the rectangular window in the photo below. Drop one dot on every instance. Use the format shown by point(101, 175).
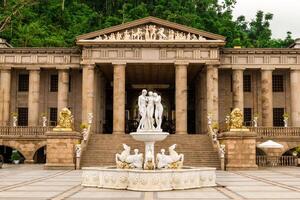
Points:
point(23, 84)
point(53, 116)
point(53, 83)
point(22, 116)
point(278, 116)
point(247, 116)
point(247, 83)
point(277, 83)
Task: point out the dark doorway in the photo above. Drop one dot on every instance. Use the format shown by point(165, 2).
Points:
point(6, 152)
point(40, 155)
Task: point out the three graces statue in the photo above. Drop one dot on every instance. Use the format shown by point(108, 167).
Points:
point(150, 106)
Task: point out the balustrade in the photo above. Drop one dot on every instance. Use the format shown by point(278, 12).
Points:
point(24, 131)
point(276, 161)
point(276, 131)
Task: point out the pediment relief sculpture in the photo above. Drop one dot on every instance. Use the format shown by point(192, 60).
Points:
point(150, 32)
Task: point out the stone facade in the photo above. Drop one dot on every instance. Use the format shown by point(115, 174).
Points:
point(104, 74)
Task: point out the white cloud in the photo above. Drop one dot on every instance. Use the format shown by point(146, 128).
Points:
point(286, 14)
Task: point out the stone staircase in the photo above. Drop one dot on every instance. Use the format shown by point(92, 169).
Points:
point(197, 149)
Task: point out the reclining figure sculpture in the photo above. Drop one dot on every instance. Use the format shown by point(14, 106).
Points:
point(127, 161)
point(172, 161)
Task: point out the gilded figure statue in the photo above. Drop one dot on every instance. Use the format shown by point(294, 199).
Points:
point(236, 120)
point(65, 120)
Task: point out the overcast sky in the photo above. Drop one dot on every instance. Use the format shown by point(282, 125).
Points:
point(286, 14)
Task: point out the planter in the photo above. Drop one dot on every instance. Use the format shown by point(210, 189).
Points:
point(16, 162)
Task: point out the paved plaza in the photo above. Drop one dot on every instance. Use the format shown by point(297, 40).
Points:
point(31, 182)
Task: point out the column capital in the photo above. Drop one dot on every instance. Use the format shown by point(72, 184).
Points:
point(211, 66)
point(294, 68)
point(89, 66)
point(120, 62)
point(267, 68)
point(7, 68)
point(181, 63)
point(33, 68)
point(62, 68)
point(238, 68)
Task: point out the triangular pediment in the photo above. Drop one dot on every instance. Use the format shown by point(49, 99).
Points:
point(149, 29)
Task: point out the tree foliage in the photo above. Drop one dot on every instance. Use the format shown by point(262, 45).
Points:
point(30, 23)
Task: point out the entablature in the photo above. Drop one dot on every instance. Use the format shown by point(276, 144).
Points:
point(260, 58)
point(41, 57)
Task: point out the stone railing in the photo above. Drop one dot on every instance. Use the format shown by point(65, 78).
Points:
point(24, 131)
point(213, 134)
point(276, 161)
point(276, 131)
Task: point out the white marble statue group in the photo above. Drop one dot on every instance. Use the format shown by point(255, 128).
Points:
point(150, 106)
point(150, 32)
point(125, 160)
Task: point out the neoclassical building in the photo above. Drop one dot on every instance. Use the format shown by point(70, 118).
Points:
point(191, 69)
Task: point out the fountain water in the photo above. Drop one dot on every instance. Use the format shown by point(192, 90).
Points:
point(149, 173)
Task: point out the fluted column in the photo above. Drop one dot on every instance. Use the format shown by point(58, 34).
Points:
point(119, 98)
point(295, 91)
point(88, 76)
point(238, 89)
point(63, 89)
point(212, 92)
point(267, 97)
point(5, 86)
point(181, 97)
point(33, 97)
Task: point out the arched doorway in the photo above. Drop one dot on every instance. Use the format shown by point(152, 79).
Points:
point(40, 155)
point(6, 152)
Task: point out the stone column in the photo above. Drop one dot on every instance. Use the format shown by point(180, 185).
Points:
point(119, 98)
point(295, 91)
point(267, 97)
point(181, 97)
point(33, 97)
point(238, 89)
point(5, 86)
point(63, 89)
point(88, 75)
point(212, 92)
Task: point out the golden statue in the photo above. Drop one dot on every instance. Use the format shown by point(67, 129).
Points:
point(65, 120)
point(236, 120)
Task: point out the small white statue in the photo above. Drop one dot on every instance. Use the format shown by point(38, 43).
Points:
point(15, 121)
point(126, 35)
point(171, 161)
point(152, 29)
point(158, 110)
point(150, 110)
point(127, 161)
point(44, 121)
point(161, 34)
point(78, 150)
point(142, 103)
point(222, 150)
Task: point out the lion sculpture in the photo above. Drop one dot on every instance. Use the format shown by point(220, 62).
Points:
point(236, 119)
point(65, 120)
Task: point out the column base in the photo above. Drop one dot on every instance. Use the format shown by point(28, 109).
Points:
point(29, 161)
point(118, 132)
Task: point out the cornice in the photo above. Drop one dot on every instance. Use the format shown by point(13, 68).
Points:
point(250, 51)
point(31, 50)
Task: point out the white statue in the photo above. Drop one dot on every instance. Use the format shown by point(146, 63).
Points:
point(142, 101)
point(137, 35)
point(171, 161)
point(150, 110)
point(158, 110)
point(161, 34)
point(78, 150)
point(147, 34)
point(152, 29)
point(44, 121)
point(127, 161)
point(149, 161)
point(126, 35)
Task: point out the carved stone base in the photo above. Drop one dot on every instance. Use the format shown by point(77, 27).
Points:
point(61, 149)
point(149, 180)
point(240, 150)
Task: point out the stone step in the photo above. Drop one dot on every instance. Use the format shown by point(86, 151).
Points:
point(197, 149)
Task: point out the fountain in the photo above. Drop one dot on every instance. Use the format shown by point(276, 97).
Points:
point(140, 172)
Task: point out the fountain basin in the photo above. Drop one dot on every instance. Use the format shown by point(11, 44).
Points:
point(148, 180)
point(149, 136)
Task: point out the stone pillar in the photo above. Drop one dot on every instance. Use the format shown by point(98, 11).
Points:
point(63, 89)
point(267, 97)
point(181, 97)
point(238, 88)
point(88, 75)
point(33, 97)
point(5, 86)
point(119, 98)
point(295, 91)
point(240, 150)
point(212, 92)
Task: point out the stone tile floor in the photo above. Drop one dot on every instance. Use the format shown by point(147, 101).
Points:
point(31, 182)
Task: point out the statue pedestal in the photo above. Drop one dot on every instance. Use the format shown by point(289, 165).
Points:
point(61, 149)
point(149, 138)
point(240, 153)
